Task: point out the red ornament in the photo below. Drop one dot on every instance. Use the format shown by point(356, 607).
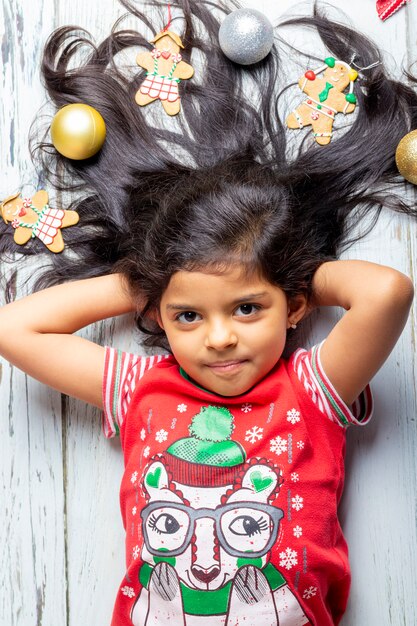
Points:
point(310, 75)
point(309, 102)
point(386, 8)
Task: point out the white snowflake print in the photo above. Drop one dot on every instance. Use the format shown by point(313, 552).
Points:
point(146, 452)
point(254, 434)
point(297, 502)
point(135, 552)
point(295, 477)
point(310, 592)
point(143, 434)
point(278, 445)
point(288, 558)
point(293, 416)
point(246, 408)
point(134, 510)
point(161, 435)
point(134, 478)
point(298, 531)
point(300, 445)
point(181, 408)
point(128, 591)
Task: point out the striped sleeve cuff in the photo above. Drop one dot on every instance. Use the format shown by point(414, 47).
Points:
point(122, 372)
point(118, 367)
point(310, 372)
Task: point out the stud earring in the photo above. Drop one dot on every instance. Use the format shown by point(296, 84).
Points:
point(294, 326)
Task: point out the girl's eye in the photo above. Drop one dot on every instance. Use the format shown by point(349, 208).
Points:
point(188, 317)
point(246, 309)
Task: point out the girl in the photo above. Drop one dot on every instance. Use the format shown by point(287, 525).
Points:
point(211, 515)
point(234, 455)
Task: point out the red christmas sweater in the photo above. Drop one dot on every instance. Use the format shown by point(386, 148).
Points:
point(230, 503)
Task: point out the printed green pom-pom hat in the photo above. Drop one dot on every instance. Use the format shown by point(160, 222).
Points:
point(208, 457)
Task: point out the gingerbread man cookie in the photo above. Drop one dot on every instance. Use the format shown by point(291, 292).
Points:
point(165, 69)
point(325, 98)
point(34, 218)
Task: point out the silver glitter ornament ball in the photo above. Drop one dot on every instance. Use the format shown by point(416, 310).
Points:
point(246, 36)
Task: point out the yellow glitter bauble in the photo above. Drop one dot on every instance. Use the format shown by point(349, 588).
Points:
point(78, 131)
point(406, 157)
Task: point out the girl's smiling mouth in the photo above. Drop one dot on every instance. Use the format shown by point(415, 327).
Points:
point(227, 366)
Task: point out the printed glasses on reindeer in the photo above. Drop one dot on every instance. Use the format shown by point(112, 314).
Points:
point(241, 528)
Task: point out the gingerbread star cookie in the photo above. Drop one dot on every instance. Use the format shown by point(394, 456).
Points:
point(32, 217)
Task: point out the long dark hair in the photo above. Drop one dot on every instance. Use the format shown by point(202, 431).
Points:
point(216, 184)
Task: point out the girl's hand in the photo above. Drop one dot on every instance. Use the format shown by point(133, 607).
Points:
point(377, 300)
point(36, 334)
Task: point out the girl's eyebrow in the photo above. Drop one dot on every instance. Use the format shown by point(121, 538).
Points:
point(251, 296)
point(179, 307)
point(246, 298)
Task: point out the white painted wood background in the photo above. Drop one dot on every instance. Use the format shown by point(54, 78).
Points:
point(61, 536)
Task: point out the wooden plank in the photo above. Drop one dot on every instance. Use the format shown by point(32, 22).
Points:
point(95, 536)
point(379, 505)
point(32, 522)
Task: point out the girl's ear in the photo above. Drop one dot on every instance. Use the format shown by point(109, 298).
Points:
point(156, 316)
point(297, 308)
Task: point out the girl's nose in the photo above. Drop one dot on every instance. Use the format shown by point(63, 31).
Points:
point(220, 335)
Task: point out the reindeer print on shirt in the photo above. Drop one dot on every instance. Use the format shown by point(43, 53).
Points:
point(208, 528)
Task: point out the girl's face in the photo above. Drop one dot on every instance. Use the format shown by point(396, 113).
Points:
point(227, 331)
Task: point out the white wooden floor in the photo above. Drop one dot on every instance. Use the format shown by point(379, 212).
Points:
point(61, 536)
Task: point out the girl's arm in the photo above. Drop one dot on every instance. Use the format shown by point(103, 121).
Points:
point(377, 300)
point(36, 334)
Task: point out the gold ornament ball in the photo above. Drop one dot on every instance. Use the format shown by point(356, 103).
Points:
point(78, 131)
point(406, 157)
